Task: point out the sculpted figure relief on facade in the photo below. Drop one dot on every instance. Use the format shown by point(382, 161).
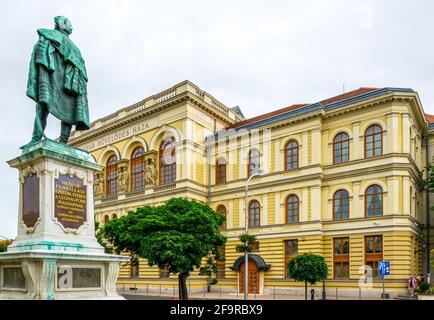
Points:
point(123, 178)
point(98, 187)
point(150, 172)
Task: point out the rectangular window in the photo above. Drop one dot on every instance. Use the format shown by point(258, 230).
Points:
point(291, 250)
point(341, 258)
point(221, 271)
point(254, 246)
point(164, 274)
point(221, 173)
point(134, 272)
point(373, 253)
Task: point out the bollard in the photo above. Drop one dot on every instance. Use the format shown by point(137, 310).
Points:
point(312, 294)
point(160, 289)
point(204, 289)
point(147, 289)
point(274, 293)
point(360, 293)
point(336, 293)
point(220, 291)
point(135, 288)
point(123, 289)
point(174, 290)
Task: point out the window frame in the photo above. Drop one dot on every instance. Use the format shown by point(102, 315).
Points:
point(220, 265)
point(167, 172)
point(340, 143)
point(341, 205)
point(290, 149)
point(376, 256)
point(135, 268)
point(225, 213)
point(289, 257)
point(220, 171)
point(287, 209)
point(112, 176)
point(134, 163)
point(258, 215)
point(373, 134)
point(256, 156)
point(372, 194)
point(341, 258)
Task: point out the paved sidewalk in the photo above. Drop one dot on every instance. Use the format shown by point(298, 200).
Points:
point(231, 296)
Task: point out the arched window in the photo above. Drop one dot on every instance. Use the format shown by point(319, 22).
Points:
point(112, 177)
point(341, 148)
point(373, 141)
point(292, 209)
point(220, 170)
point(254, 161)
point(374, 201)
point(167, 161)
point(114, 216)
point(137, 169)
point(254, 213)
point(222, 210)
point(341, 205)
point(291, 155)
point(106, 219)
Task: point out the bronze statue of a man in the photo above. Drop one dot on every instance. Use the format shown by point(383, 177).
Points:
point(58, 82)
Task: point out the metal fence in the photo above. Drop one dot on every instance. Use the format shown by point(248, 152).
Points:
point(226, 292)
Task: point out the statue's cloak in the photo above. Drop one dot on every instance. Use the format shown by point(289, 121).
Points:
point(58, 78)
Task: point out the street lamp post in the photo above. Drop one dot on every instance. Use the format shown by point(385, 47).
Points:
point(258, 172)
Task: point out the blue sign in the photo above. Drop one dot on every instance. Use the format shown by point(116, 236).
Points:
point(384, 268)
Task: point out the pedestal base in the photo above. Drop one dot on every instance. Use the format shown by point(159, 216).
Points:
point(57, 275)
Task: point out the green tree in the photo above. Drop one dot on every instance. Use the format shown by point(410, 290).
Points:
point(307, 267)
point(4, 245)
point(175, 236)
point(246, 240)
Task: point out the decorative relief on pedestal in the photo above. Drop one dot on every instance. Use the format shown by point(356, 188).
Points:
point(29, 271)
point(30, 215)
point(70, 201)
point(111, 278)
point(98, 186)
point(151, 168)
point(123, 176)
point(48, 278)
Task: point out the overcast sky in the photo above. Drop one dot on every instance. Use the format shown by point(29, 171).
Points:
point(260, 55)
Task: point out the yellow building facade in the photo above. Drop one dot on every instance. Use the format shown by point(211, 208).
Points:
point(342, 178)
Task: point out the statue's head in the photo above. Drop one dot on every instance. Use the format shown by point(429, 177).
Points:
point(63, 24)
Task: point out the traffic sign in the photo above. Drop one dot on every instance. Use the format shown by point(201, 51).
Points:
point(384, 268)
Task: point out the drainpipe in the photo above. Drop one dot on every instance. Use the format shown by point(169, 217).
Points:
point(427, 224)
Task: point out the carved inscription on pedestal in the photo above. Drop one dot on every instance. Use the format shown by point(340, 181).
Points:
point(70, 201)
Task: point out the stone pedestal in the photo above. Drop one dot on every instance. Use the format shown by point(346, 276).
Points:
point(55, 254)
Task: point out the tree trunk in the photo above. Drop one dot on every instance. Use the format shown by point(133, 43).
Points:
point(305, 290)
point(182, 286)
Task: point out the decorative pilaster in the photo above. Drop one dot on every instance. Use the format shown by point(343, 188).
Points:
point(112, 274)
point(48, 279)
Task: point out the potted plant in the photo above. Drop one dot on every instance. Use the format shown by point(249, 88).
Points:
point(425, 292)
